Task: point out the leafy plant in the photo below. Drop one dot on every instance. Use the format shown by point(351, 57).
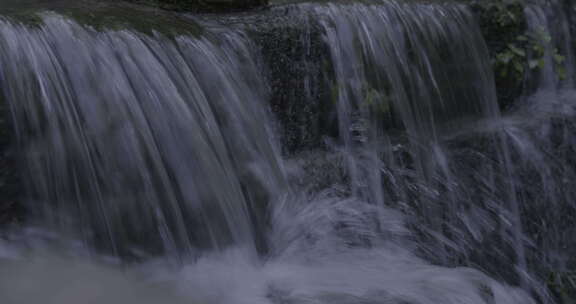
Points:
point(527, 52)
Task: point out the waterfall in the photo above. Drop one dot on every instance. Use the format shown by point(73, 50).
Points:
point(163, 165)
point(419, 68)
point(127, 136)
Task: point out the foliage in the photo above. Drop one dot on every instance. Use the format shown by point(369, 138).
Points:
point(503, 24)
point(527, 53)
point(515, 50)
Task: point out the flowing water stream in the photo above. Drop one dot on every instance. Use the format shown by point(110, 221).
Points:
point(154, 168)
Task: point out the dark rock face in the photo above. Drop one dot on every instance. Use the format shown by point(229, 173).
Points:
point(10, 189)
point(297, 65)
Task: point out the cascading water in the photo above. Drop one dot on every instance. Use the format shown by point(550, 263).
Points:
point(138, 153)
point(161, 150)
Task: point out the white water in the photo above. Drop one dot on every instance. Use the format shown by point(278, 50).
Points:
point(313, 263)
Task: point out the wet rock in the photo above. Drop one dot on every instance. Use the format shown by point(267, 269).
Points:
point(204, 5)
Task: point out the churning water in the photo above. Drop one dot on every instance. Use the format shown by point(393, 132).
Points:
point(153, 168)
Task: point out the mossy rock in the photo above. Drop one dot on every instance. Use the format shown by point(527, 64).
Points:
point(105, 15)
point(203, 5)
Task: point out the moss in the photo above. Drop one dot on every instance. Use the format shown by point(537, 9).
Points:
point(118, 17)
point(174, 5)
point(107, 15)
point(203, 5)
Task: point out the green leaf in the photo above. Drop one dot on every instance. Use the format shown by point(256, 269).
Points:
point(533, 64)
point(541, 63)
point(518, 67)
point(561, 73)
point(505, 57)
point(516, 50)
point(539, 50)
point(559, 59)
